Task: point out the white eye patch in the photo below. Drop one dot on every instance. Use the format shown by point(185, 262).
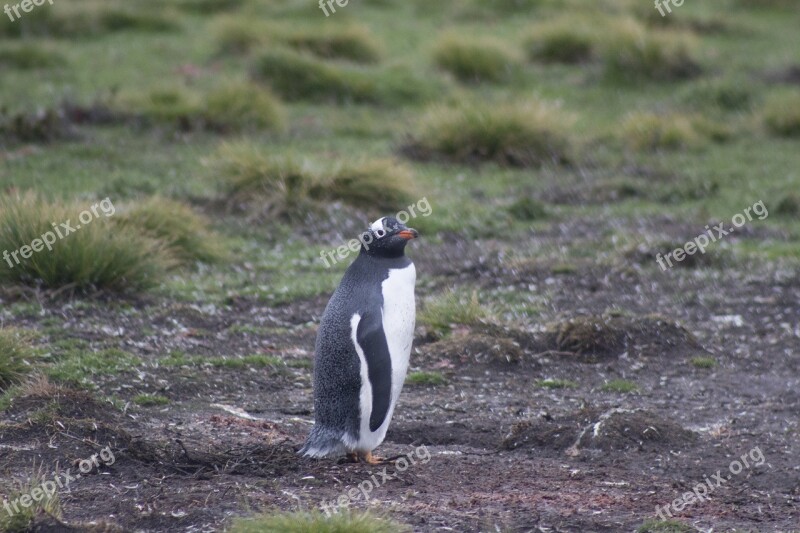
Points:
point(378, 228)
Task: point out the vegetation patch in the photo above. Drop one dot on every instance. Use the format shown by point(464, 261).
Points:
point(524, 134)
point(703, 362)
point(563, 40)
point(474, 60)
point(298, 76)
point(353, 43)
point(17, 357)
point(97, 255)
point(633, 53)
point(782, 113)
point(452, 309)
point(29, 56)
point(285, 185)
point(150, 400)
point(425, 379)
point(186, 236)
point(649, 132)
point(622, 386)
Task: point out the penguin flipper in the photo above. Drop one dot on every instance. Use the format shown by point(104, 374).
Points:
point(372, 340)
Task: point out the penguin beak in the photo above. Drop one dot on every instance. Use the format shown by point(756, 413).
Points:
point(408, 234)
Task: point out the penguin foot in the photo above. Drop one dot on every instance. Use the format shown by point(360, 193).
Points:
point(372, 459)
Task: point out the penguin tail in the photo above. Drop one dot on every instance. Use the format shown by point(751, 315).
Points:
point(323, 442)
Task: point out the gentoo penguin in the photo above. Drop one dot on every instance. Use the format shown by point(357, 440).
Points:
point(363, 346)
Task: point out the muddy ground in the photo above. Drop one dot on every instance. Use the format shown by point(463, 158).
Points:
point(505, 454)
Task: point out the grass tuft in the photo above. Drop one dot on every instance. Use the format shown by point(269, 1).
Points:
point(782, 113)
point(16, 357)
point(561, 41)
point(649, 132)
point(30, 56)
point(98, 255)
point(242, 106)
point(633, 53)
point(185, 234)
point(427, 379)
point(48, 502)
point(664, 526)
point(452, 308)
point(281, 185)
point(474, 60)
point(353, 43)
point(316, 522)
point(621, 386)
point(703, 362)
point(150, 400)
point(297, 76)
point(522, 135)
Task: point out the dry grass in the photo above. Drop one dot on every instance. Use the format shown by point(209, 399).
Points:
point(782, 113)
point(523, 134)
point(472, 59)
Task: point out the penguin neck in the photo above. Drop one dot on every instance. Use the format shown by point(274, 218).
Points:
point(387, 258)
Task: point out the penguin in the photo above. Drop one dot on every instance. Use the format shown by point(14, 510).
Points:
point(363, 346)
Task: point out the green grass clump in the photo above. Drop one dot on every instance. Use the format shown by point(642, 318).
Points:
point(239, 35)
point(281, 184)
point(474, 60)
point(244, 106)
point(524, 134)
point(557, 384)
point(316, 522)
point(208, 7)
point(150, 400)
point(353, 43)
point(98, 255)
point(789, 206)
point(21, 521)
point(622, 386)
point(79, 366)
point(782, 113)
point(564, 40)
point(70, 20)
point(16, 357)
point(430, 379)
point(452, 308)
point(722, 94)
point(186, 235)
point(527, 209)
point(647, 132)
point(255, 361)
point(633, 53)
point(171, 103)
point(297, 76)
point(703, 362)
point(29, 56)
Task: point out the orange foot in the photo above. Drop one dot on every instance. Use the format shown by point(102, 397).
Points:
point(353, 457)
point(371, 459)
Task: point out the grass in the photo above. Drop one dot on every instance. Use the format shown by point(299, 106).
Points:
point(703, 362)
point(452, 308)
point(30, 56)
point(621, 386)
point(427, 379)
point(81, 366)
point(782, 113)
point(150, 400)
point(297, 76)
point(316, 522)
point(186, 235)
point(351, 42)
point(522, 134)
point(95, 256)
point(632, 53)
point(248, 361)
point(244, 106)
point(557, 384)
point(564, 40)
point(285, 185)
point(644, 132)
point(474, 60)
point(17, 357)
point(46, 502)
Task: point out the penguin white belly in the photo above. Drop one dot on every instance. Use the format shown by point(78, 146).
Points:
point(399, 316)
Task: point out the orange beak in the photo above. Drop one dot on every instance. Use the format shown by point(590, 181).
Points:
point(408, 234)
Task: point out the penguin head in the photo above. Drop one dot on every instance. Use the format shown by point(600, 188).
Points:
point(386, 237)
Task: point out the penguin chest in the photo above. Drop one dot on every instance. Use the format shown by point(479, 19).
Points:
point(399, 316)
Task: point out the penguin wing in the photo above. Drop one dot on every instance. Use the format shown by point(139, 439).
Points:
point(372, 340)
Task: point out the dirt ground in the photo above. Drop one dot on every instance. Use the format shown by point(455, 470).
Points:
point(505, 454)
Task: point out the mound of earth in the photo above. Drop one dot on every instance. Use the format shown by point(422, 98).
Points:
point(476, 348)
point(596, 429)
point(596, 338)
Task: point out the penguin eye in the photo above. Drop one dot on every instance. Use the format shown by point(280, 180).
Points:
point(380, 233)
